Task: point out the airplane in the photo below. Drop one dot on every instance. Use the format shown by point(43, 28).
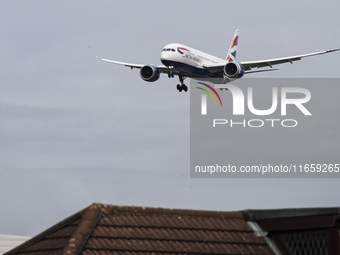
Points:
point(185, 61)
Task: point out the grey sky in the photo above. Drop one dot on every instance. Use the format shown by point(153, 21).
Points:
point(75, 130)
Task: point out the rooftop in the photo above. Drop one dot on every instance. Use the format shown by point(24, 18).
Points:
point(104, 229)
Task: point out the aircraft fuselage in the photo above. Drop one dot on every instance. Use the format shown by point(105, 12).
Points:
point(188, 60)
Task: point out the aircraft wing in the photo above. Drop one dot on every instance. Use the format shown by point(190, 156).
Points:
point(248, 65)
point(161, 68)
point(121, 63)
point(215, 68)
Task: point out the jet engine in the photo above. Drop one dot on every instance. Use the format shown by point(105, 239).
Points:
point(233, 70)
point(149, 73)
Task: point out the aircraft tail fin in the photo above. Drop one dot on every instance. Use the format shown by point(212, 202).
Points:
point(231, 57)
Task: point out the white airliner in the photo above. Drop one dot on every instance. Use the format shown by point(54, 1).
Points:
point(184, 61)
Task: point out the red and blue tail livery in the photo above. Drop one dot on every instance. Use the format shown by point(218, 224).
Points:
point(231, 57)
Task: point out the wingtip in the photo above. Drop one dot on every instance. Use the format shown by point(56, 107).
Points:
point(332, 50)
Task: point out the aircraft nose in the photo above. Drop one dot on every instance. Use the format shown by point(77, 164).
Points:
point(164, 55)
point(165, 58)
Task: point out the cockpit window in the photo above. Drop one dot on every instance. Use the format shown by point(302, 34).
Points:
point(168, 49)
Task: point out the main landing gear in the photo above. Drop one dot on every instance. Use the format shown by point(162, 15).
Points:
point(182, 86)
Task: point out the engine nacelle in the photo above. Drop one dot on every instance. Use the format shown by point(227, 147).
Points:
point(149, 73)
point(233, 70)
